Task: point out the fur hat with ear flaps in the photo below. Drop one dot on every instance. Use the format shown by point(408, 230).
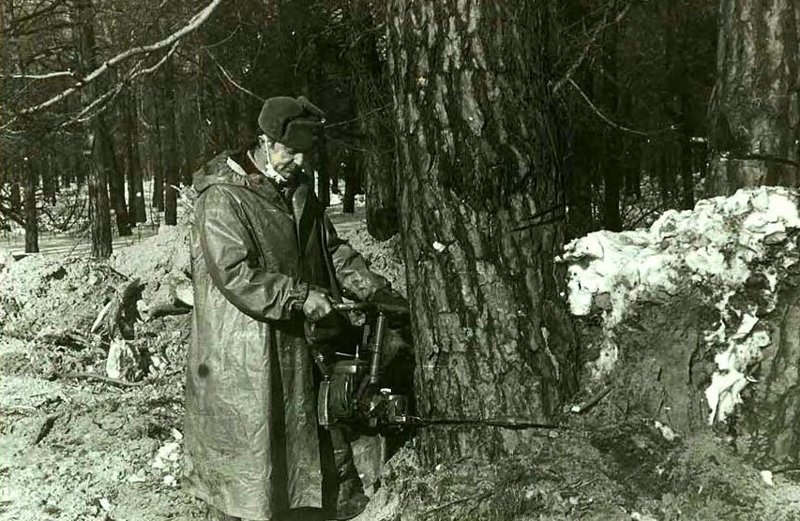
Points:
point(294, 122)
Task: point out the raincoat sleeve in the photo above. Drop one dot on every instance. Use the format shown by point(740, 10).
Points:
point(232, 262)
point(354, 277)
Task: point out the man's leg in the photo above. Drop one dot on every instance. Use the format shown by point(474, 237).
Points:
point(215, 514)
point(351, 499)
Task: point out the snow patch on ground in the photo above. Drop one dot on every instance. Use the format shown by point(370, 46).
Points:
point(719, 245)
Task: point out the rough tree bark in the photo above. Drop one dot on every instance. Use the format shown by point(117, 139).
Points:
point(482, 204)
point(771, 414)
point(99, 211)
point(99, 205)
point(755, 106)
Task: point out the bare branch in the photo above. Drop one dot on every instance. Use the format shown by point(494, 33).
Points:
point(49, 75)
point(231, 80)
point(112, 93)
point(193, 24)
point(21, 20)
point(609, 121)
point(592, 39)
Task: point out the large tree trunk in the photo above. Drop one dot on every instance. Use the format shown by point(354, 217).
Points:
point(482, 217)
point(99, 211)
point(755, 107)
point(31, 217)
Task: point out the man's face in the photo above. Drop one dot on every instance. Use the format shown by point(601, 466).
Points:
point(284, 160)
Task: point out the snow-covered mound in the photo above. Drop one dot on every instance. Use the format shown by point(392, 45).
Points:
point(726, 245)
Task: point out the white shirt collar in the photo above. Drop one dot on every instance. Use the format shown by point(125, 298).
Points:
point(270, 172)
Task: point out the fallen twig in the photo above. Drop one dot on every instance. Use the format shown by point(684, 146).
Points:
point(47, 426)
point(101, 317)
point(591, 402)
point(164, 310)
point(479, 497)
point(65, 337)
point(104, 379)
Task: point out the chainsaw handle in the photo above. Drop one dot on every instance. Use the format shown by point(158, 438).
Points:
point(370, 306)
point(392, 309)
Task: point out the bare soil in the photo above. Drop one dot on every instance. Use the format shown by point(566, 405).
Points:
point(76, 448)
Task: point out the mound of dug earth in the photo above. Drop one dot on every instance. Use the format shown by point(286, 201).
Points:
point(39, 293)
point(696, 321)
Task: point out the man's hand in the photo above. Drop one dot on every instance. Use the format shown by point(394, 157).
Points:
point(317, 305)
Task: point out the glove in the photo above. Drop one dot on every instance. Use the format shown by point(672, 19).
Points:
point(317, 305)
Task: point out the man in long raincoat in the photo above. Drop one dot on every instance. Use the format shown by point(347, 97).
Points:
point(261, 247)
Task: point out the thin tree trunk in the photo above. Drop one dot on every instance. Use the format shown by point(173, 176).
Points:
point(376, 122)
point(48, 186)
point(79, 169)
point(159, 162)
point(579, 185)
point(323, 180)
point(754, 108)
point(53, 170)
point(482, 201)
point(31, 217)
point(633, 177)
point(612, 183)
point(99, 207)
point(15, 197)
point(351, 184)
point(170, 153)
point(612, 141)
point(134, 170)
point(99, 211)
point(67, 171)
point(116, 178)
point(687, 175)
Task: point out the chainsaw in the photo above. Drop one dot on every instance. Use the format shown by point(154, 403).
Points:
point(354, 389)
point(356, 392)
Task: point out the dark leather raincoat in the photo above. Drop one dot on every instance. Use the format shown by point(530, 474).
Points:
point(251, 440)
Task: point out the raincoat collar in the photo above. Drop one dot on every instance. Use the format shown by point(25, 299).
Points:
point(237, 170)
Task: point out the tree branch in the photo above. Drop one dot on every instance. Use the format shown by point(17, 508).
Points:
point(194, 23)
point(231, 80)
point(112, 93)
point(49, 75)
point(593, 38)
point(609, 121)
